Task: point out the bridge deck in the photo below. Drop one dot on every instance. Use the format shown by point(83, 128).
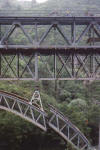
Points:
point(48, 20)
point(47, 50)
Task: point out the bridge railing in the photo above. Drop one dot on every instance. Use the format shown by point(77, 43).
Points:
point(67, 130)
point(19, 106)
point(51, 13)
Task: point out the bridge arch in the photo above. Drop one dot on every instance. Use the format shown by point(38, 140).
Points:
point(19, 106)
point(68, 131)
point(58, 122)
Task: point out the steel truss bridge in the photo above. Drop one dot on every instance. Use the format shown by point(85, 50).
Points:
point(48, 48)
point(54, 48)
point(58, 122)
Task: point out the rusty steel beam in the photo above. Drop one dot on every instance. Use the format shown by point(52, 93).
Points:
point(73, 58)
point(8, 20)
point(69, 65)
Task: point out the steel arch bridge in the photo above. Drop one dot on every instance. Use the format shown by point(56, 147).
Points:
point(58, 122)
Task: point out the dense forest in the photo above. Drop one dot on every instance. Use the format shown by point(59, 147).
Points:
point(76, 99)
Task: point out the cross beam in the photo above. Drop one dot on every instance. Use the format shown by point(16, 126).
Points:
point(50, 64)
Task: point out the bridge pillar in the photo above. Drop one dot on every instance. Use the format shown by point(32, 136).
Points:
point(36, 66)
point(36, 54)
point(99, 137)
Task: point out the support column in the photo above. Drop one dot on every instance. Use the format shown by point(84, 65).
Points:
point(36, 34)
point(36, 54)
point(73, 67)
point(55, 65)
point(99, 136)
point(0, 64)
point(73, 33)
point(36, 67)
point(0, 32)
point(18, 65)
point(92, 65)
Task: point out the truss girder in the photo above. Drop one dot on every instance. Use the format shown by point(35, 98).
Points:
point(70, 31)
point(70, 42)
point(22, 108)
point(67, 130)
point(71, 65)
point(56, 121)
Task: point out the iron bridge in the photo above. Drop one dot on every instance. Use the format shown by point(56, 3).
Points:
point(57, 121)
point(50, 48)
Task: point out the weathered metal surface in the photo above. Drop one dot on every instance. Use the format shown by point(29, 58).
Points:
point(36, 100)
point(74, 56)
point(19, 106)
point(32, 113)
point(67, 130)
point(55, 65)
point(78, 29)
point(8, 20)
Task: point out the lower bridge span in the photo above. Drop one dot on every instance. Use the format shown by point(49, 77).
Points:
point(21, 107)
point(58, 122)
point(63, 126)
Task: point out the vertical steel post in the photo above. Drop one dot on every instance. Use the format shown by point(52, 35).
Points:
point(18, 65)
point(68, 132)
point(36, 34)
point(99, 136)
point(93, 37)
point(73, 30)
point(0, 33)
point(73, 64)
point(36, 66)
point(78, 143)
point(55, 75)
point(0, 63)
point(55, 65)
point(91, 65)
point(57, 119)
point(90, 35)
point(36, 54)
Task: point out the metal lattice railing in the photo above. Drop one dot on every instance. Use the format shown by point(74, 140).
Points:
point(58, 122)
point(67, 130)
point(22, 108)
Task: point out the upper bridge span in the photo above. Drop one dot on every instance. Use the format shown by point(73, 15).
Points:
point(68, 47)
